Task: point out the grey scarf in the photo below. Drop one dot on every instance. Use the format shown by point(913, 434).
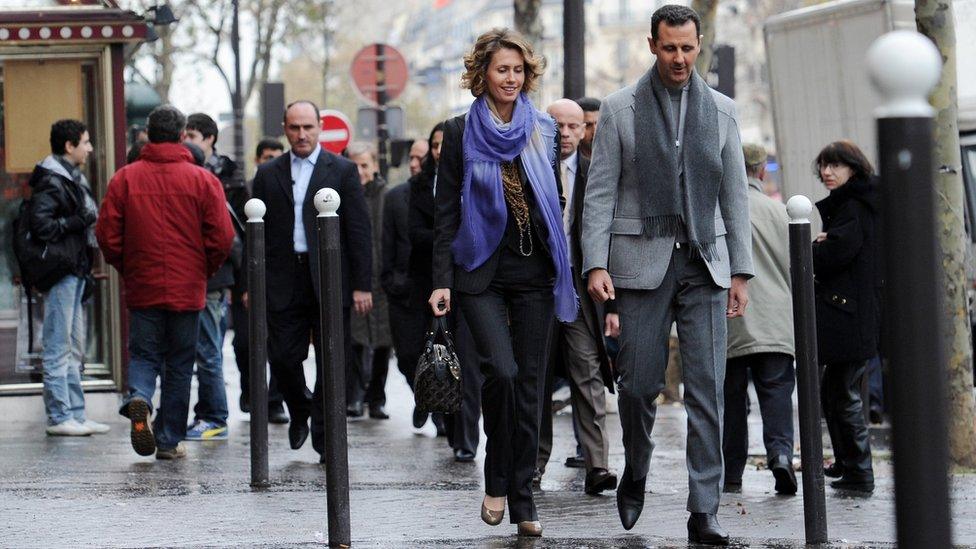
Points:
point(664, 209)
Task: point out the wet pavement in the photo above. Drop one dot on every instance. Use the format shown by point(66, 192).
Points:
point(406, 491)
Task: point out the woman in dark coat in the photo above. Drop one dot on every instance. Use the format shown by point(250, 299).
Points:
point(846, 266)
point(501, 254)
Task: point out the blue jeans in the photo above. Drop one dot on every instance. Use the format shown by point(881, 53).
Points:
point(64, 351)
point(162, 344)
point(211, 393)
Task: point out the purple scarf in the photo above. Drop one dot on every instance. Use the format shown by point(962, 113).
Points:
point(530, 135)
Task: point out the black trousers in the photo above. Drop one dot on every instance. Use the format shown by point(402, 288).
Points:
point(463, 431)
point(840, 396)
point(289, 333)
point(774, 379)
point(408, 324)
point(510, 323)
point(242, 355)
point(379, 360)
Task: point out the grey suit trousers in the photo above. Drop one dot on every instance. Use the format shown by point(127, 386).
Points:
point(689, 297)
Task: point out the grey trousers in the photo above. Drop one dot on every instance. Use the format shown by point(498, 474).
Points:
point(689, 297)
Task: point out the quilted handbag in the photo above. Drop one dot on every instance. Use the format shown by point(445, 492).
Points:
point(437, 383)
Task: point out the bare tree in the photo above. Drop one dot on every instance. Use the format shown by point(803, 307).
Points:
point(706, 9)
point(935, 20)
point(527, 20)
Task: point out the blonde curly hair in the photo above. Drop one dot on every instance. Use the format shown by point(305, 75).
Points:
point(476, 61)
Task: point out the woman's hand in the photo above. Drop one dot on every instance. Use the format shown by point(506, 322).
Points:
point(440, 301)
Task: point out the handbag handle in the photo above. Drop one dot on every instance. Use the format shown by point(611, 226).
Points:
point(439, 325)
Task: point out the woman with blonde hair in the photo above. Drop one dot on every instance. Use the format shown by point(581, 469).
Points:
point(500, 252)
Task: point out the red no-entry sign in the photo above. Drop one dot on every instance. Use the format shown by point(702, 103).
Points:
point(336, 131)
point(370, 78)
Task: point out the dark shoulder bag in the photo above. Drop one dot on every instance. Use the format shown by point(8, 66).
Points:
point(437, 385)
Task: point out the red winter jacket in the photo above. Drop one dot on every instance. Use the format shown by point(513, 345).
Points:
point(164, 226)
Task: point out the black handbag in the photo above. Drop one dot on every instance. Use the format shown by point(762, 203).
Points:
point(437, 383)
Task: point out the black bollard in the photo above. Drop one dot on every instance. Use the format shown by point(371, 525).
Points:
point(333, 380)
point(905, 67)
point(807, 369)
point(257, 320)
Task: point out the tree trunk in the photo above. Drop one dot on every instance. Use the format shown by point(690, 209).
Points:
point(706, 10)
point(165, 66)
point(934, 19)
point(527, 21)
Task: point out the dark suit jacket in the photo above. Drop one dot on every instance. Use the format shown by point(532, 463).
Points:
point(273, 185)
point(592, 312)
point(395, 276)
point(421, 222)
point(447, 215)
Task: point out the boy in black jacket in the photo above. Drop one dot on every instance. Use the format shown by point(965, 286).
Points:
point(62, 215)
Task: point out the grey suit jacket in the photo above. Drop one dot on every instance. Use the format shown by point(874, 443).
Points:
point(612, 221)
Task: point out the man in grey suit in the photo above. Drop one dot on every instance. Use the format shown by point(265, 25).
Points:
point(666, 235)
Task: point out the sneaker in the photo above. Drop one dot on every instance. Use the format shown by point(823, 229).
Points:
point(96, 427)
point(141, 435)
point(69, 428)
point(206, 430)
point(171, 453)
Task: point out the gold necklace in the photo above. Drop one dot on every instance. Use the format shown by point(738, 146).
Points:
point(515, 197)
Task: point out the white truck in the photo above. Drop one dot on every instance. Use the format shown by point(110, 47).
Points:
point(821, 91)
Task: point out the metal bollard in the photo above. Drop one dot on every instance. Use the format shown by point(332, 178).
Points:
point(333, 380)
point(807, 369)
point(905, 66)
point(257, 319)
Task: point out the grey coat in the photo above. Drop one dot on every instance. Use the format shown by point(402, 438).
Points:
point(612, 220)
point(767, 326)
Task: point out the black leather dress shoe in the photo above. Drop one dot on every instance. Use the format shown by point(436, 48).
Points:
point(732, 487)
point(297, 433)
point(598, 480)
point(705, 529)
point(537, 478)
point(378, 412)
point(835, 470)
point(575, 462)
point(277, 415)
point(854, 484)
point(782, 468)
point(245, 404)
point(419, 418)
point(440, 425)
point(630, 498)
point(463, 456)
point(354, 409)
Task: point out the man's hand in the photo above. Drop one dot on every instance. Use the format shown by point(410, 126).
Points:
point(600, 286)
point(362, 302)
point(440, 301)
point(245, 300)
point(820, 237)
point(613, 325)
point(738, 297)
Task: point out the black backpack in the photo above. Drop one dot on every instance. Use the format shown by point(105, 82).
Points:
point(41, 266)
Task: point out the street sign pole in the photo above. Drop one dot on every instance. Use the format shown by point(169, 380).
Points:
point(381, 99)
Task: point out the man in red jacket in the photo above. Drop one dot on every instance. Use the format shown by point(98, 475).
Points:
point(164, 226)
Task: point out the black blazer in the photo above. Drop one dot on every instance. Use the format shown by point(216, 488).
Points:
point(447, 214)
point(273, 185)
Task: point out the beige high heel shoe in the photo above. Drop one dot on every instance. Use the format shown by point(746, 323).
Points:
point(493, 518)
point(531, 528)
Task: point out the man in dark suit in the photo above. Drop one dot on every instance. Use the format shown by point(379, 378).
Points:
point(579, 344)
point(287, 185)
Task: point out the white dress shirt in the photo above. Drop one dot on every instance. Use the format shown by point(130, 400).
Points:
point(568, 170)
point(301, 174)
